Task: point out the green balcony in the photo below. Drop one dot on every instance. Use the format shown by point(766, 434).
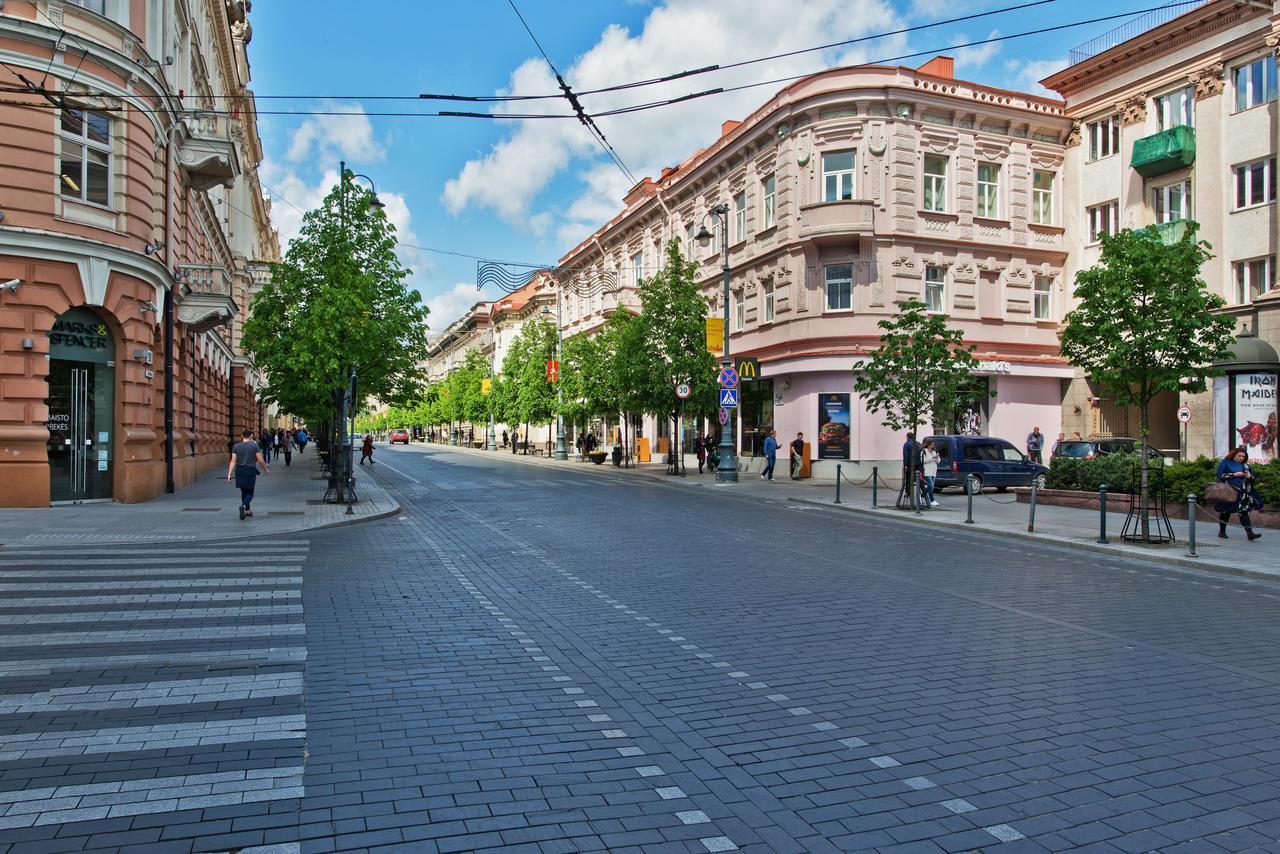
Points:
point(1165, 151)
point(1173, 232)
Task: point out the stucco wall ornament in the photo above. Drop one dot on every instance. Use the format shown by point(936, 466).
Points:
point(1208, 81)
point(904, 261)
point(1273, 42)
point(1073, 135)
point(876, 146)
point(1133, 109)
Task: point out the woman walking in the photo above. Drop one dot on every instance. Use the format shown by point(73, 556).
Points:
point(366, 449)
point(929, 464)
point(1236, 473)
point(700, 445)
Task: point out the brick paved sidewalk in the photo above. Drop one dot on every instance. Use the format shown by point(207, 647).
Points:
point(288, 500)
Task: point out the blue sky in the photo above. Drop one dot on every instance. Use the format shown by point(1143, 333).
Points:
point(529, 190)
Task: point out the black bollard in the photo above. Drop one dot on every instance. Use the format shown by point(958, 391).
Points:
point(1102, 501)
point(875, 477)
point(1191, 525)
point(837, 483)
point(968, 491)
point(1031, 521)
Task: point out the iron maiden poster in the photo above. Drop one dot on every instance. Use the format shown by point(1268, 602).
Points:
point(833, 426)
point(1254, 415)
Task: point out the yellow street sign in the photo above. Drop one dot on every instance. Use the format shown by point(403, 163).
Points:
point(715, 334)
point(486, 387)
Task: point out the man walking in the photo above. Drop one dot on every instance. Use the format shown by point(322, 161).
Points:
point(797, 456)
point(303, 438)
point(366, 449)
point(246, 456)
point(1035, 444)
point(770, 455)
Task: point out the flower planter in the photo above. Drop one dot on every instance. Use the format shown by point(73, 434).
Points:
point(597, 457)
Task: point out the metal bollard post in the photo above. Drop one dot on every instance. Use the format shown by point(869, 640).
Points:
point(1102, 499)
point(837, 483)
point(915, 495)
point(968, 491)
point(1191, 525)
point(875, 478)
point(1031, 521)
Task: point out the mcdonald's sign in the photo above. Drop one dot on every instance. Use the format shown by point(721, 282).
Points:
point(748, 368)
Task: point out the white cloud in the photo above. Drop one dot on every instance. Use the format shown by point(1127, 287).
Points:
point(448, 306)
point(1026, 74)
point(974, 57)
point(350, 137)
point(676, 35)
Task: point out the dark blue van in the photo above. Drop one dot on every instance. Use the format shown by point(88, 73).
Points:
point(991, 461)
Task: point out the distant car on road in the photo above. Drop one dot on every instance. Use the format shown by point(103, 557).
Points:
point(990, 461)
point(400, 435)
point(1091, 449)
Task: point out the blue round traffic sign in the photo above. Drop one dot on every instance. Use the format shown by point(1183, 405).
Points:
point(728, 378)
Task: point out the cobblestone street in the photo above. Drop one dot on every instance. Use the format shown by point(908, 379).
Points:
point(532, 659)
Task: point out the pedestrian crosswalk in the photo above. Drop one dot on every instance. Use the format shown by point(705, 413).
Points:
point(141, 679)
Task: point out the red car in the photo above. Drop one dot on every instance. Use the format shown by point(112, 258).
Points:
point(400, 435)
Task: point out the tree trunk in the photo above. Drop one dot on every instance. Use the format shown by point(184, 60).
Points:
point(1144, 485)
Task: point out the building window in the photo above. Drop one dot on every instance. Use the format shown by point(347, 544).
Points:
point(1175, 108)
point(1103, 219)
point(837, 176)
point(85, 166)
point(1255, 83)
point(1104, 137)
point(99, 6)
point(935, 290)
point(767, 292)
point(1044, 298)
point(1256, 183)
point(740, 216)
point(768, 206)
point(989, 190)
point(690, 241)
point(1253, 279)
point(739, 312)
point(1042, 197)
point(637, 268)
point(839, 287)
point(1172, 202)
point(935, 183)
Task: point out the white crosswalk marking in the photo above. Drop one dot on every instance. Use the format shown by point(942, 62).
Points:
point(126, 652)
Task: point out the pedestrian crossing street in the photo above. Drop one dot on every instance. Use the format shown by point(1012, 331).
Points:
point(139, 679)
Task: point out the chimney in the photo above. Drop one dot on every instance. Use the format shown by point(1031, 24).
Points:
point(640, 191)
point(666, 170)
point(939, 66)
point(728, 127)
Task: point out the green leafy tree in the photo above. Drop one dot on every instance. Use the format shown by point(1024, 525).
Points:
point(1145, 323)
point(914, 374)
point(524, 396)
point(338, 299)
point(669, 343)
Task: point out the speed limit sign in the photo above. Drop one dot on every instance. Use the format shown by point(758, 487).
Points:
point(683, 390)
point(1184, 414)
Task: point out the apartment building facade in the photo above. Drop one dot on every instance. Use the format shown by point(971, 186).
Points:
point(1179, 122)
point(849, 191)
point(133, 233)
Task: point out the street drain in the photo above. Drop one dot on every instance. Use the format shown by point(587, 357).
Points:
point(286, 513)
point(201, 509)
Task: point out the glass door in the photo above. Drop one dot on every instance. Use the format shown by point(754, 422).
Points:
point(80, 404)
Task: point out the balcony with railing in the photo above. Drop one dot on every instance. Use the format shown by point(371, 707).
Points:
point(1166, 151)
point(207, 152)
point(204, 298)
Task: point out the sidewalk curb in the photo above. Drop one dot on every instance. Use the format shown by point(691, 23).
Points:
point(1109, 550)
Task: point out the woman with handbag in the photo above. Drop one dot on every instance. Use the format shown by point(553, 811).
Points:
point(1235, 474)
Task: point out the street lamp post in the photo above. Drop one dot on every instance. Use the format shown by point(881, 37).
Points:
point(727, 471)
point(561, 452)
point(344, 482)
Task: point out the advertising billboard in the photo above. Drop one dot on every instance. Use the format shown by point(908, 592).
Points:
point(833, 426)
point(1253, 410)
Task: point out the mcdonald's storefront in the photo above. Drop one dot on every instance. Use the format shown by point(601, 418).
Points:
point(814, 395)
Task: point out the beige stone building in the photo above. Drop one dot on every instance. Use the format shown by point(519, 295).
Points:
point(1175, 118)
point(133, 233)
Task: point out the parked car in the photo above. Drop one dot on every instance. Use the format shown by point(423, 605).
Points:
point(1089, 449)
point(400, 435)
point(991, 462)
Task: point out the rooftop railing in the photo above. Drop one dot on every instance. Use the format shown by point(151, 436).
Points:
point(1130, 29)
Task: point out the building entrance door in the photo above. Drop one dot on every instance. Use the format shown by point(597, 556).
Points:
point(81, 408)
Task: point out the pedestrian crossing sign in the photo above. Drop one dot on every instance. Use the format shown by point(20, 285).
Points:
point(729, 398)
